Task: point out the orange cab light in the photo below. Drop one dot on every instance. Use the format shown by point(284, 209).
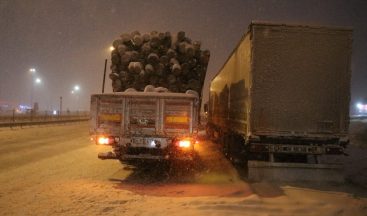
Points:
point(103, 140)
point(184, 143)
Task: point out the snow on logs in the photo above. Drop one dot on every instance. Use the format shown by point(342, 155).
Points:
point(159, 59)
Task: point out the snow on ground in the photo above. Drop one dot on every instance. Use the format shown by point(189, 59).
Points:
point(55, 171)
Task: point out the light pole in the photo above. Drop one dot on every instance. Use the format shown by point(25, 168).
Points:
point(32, 71)
point(35, 81)
point(60, 106)
point(104, 75)
point(75, 91)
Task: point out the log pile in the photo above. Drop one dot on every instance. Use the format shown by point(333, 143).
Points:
point(159, 59)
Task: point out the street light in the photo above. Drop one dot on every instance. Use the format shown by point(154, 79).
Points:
point(75, 91)
point(38, 80)
point(112, 48)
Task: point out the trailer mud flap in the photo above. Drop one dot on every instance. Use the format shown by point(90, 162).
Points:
point(294, 172)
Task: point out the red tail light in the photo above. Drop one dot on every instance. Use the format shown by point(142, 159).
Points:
point(185, 143)
point(104, 140)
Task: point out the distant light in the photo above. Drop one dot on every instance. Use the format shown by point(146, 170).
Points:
point(38, 81)
point(54, 112)
point(112, 48)
point(23, 108)
point(32, 70)
point(362, 108)
point(76, 88)
point(72, 91)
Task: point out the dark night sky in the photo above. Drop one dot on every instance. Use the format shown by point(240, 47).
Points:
point(67, 41)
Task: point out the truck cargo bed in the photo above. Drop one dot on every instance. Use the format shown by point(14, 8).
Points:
point(145, 125)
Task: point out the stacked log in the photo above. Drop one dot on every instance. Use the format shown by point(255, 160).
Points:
point(159, 59)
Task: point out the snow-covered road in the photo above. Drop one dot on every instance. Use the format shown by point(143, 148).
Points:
point(55, 171)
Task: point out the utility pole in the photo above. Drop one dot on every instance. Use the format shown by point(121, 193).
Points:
point(60, 105)
point(104, 75)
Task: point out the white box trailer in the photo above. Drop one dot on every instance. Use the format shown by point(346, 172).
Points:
point(145, 125)
point(283, 95)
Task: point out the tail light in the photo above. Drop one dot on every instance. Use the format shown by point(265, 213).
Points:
point(184, 143)
point(104, 140)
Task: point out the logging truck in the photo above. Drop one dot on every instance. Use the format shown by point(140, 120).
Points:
point(153, 125)
point(141, 122)
point(281, 101)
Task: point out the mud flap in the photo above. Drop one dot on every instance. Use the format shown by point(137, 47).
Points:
point(107, 156)
point(294, 172)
